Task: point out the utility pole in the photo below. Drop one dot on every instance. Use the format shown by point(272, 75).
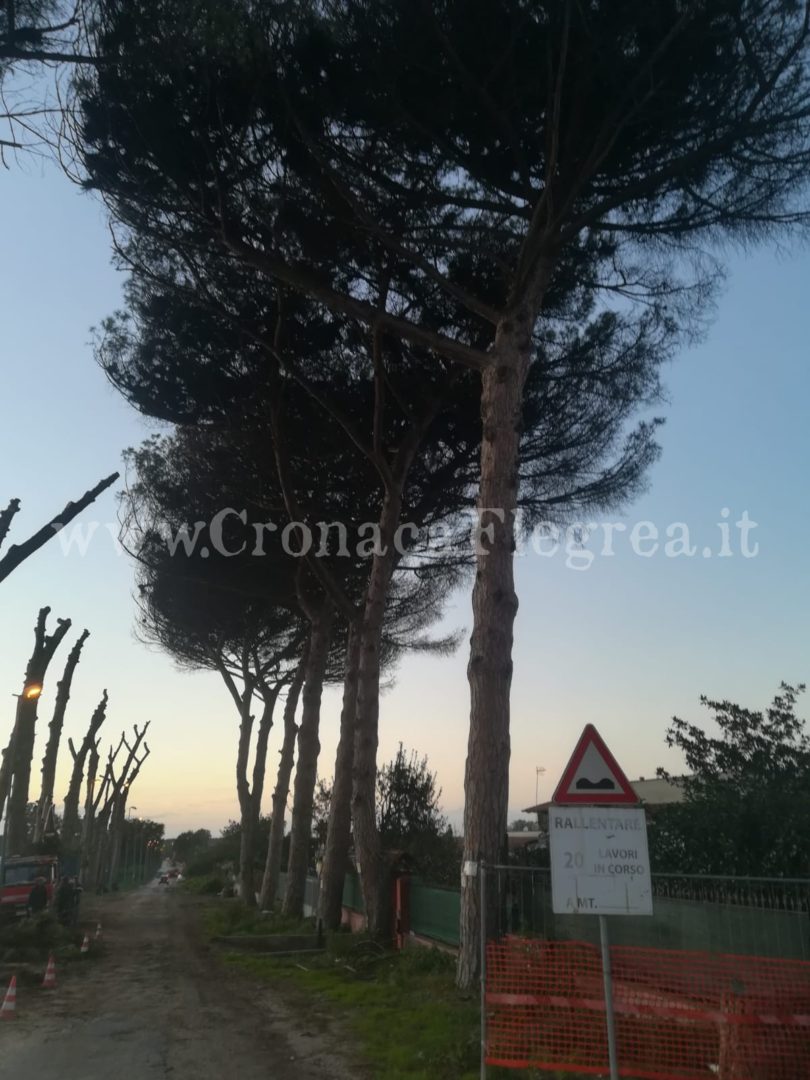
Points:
point(538, 772)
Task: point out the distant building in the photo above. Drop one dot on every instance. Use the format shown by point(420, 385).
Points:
point(525, 838)
point(652, 793)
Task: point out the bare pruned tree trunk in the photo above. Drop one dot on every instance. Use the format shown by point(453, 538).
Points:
point(89, 808)
point(118, 817)
point(55, 734)
point(111, 792)
point(306, 772)
point(272, 866)
point(45, 645)
point(70, 820)
point(338, 835)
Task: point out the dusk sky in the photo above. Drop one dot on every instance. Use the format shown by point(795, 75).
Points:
point(624, 644)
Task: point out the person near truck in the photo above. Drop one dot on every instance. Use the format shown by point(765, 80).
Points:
point(65, 901)
point(38, 897)
point(78, 889)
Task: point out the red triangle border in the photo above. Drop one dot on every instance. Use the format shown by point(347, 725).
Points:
point(563, 797)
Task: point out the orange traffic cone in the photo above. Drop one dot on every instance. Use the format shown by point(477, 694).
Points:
point(49, 982)
point(85, 944)
point(98, 932)
point(8, 1010)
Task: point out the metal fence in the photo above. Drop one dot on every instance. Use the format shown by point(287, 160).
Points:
point(749, 916)
point(311, 892)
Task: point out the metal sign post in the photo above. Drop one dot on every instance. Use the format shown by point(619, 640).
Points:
point(600, 864)
point(610, 1018)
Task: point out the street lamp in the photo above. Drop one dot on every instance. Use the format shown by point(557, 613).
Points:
point(31, 691)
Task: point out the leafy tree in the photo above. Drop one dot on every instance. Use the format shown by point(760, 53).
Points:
point(477, 152)
point(746, 808)
point(408, 799)
point(236, 616)
point(227, 848)
point(190, 844)
point(522, 825)
point(410, 819)
point(576, 453)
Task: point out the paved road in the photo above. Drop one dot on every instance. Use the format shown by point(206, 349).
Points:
point(160, 1006)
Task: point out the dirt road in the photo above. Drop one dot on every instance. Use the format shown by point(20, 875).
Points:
point(160, 1006)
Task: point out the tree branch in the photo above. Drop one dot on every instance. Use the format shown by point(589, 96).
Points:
point(18, 553)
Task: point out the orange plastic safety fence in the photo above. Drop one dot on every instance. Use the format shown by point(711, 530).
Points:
point(679, 1015)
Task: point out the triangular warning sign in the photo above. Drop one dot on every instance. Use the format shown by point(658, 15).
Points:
point(593, 776)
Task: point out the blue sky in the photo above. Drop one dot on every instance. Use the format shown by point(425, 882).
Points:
point(624, 645)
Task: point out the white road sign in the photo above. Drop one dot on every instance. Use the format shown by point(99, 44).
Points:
point(599, 860)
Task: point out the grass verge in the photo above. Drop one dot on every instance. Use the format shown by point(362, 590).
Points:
point(230, 916)
point(402, 1009)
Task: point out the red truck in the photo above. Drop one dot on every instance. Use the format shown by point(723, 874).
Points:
point(18, 877)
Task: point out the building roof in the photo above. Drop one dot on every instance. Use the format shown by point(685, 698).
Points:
point(654, 792)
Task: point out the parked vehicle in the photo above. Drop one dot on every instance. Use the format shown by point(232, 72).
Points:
point(163, 879)
point(20, 872)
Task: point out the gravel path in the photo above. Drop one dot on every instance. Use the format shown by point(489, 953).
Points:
point(160, 1006)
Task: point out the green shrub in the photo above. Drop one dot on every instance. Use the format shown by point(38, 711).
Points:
point(205, 885)
point(34, 937)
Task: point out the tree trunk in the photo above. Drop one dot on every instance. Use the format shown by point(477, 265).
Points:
point(45, 645)
point(338, 834)
point(5, 775)
point(374, 876)
point(306, 771)
point(272, 866)
point(245, 885)
point(494, 601)
point(89, 813)
point(70, 820)
point(55, 734)
point(250, 828)
point(116, 831)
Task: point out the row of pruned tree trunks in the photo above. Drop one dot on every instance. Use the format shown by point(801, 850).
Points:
point(15, 768)
point(96, 836)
